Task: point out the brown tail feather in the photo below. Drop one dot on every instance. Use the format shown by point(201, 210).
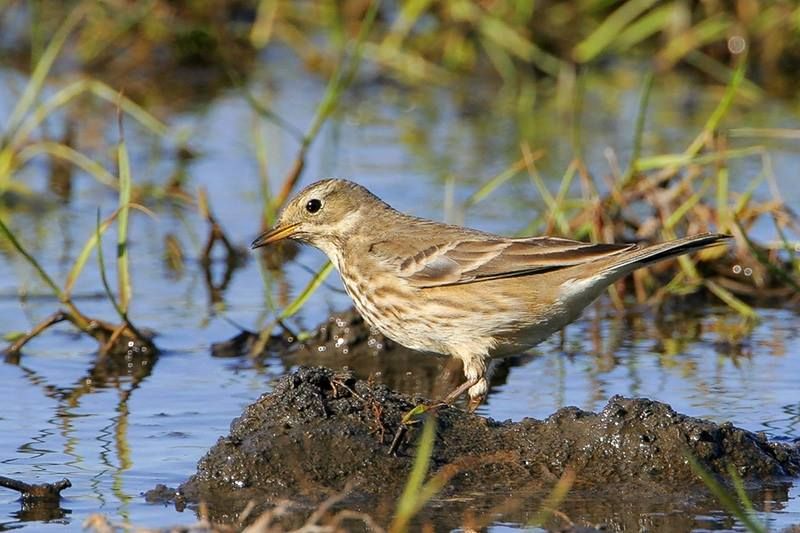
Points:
point(665, 250)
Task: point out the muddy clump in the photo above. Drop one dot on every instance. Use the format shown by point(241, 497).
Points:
point(320, 431)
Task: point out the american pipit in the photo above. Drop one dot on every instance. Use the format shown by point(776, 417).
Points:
point(452, 290)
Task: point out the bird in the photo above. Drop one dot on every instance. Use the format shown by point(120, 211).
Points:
point(451, 290)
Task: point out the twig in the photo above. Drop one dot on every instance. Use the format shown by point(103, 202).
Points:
point(43, 491)
point(12, 352)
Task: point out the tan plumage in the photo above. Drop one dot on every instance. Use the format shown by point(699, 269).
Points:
point(457, 291)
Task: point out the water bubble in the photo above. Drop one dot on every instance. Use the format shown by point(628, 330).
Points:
point(748, 271)
point(321, 348)
point(737, 44)
point(339, 342)
point(737, 269)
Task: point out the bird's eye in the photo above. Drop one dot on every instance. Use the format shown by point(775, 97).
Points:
point(313, 206)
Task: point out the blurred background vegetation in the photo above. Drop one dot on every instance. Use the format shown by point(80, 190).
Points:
point(418, 41)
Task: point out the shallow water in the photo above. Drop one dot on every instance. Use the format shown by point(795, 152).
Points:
point(116, 436)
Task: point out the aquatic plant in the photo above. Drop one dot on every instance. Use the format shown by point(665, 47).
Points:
point(113, 338)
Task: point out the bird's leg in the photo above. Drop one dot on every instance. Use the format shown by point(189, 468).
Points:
point(461, 389)
point(477, 385)
point(477, 394)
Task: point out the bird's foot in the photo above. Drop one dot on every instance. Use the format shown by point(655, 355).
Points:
point(475, 402)
point(477, 393)
point(461, 389)
point(476, 388)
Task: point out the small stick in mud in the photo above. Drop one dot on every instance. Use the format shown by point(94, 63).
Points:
point(399, 438)
point(12, 352)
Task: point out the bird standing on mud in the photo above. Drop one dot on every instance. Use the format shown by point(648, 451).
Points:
point(452, 290)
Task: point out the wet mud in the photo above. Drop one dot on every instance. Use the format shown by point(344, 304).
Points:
point(321, 432)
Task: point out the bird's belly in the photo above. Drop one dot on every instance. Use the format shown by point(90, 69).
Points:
point(394, 313)
point(531, 333)
point(456, 323)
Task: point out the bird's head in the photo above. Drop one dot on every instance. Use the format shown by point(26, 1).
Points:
point(323, 214)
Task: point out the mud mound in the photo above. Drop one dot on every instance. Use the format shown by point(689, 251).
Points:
point(320, 431)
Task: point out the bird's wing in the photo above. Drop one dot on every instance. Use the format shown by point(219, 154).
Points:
point(470, 261)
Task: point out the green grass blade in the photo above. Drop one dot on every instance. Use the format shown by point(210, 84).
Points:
point(507, 37)
point(264, 110)
point(410, 12)
point(33, 262)
point(609, 29)
point(738, 486)
point(644, 100)
point(557, 212)
point(98, 235)
point(721, 110)
point(83, 256)
point(261, 30)
point(487, 188)
point(701, 34)
point(123, 269)
point(725, 498)
point(67, 153)
point(723, 74)
point(42, 69)
point(684, 159)
point(410, 501)
point(343, 76)
point(555, 498)
point(131, 108)
point(40, 113)
point(262, 159)
point(723, 195)
point(792, 251)
point(766, 133)
point(644, 27)
point(733, 302)
point(75, 89)
point(312, 286)
point(686, 206)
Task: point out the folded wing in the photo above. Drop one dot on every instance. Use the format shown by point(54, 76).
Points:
point(472, 261)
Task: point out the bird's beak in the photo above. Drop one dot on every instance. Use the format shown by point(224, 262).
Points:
point(275, 234)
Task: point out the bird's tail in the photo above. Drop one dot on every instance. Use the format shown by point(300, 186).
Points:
point(665, 250)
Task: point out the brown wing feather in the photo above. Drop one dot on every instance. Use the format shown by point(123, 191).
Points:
point(471, 261)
